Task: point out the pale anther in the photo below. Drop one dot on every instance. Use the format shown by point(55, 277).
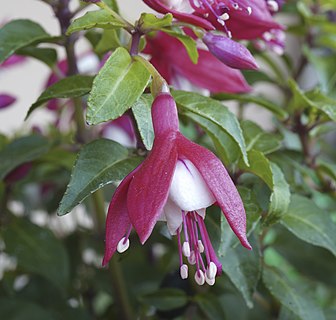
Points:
point(123, 245)
point(210, 282)
point(211, 270)
point(249, 10)
point(225, 16)
point(186, 249)
point(199, 277)
point(192, 258)
point(200, 246)
point(184, 271)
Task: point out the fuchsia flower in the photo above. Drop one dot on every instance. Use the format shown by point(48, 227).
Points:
point(243, 19)
point(176, 183)
point(209, 73)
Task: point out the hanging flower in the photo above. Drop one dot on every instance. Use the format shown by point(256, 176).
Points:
point(176, 183)
point(240, 19)
point(209, 73)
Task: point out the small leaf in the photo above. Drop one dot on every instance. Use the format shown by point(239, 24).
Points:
point(215, 112)
point(166, 299)
point(267, 104)
point(70, 87)
point(142, 114)
point(188, 42)
point(210, 306)
point(118, 85)
point(95, 19)
point(99, 163)
point(271, 174)
point(292, 297)
point(20, 151)
point(18, 34)
point(150, 22)
point(38, 251)
point(310, 223)
point(46, 55)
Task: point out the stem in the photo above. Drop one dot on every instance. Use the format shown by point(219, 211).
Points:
point(64, 15)
point(136, 36)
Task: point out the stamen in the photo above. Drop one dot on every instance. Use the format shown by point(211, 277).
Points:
point(200, 246)
point(199, 277)
point(186, 249)
point(184, 271)
point(179, 246)
point(225, 16)
point(192, 258)
point(123, 245)
point(272, 6)
point(211, 270)
point(249, 10)
point(210, 282)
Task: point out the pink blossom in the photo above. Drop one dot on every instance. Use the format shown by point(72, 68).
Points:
point(170, 58)
point(176, 183)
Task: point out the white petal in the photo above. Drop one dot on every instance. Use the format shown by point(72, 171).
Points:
point(173, 216)
point(188, 189)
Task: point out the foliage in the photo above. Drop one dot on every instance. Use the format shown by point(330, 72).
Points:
point(286, 176)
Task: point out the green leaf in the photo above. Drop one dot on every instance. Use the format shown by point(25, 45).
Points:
point(257, 139)
point(326, 70)
point(70, 87)
point(267, 104)
point(18, 34)
point(310, 223)
point(271, 174)
point(118, 85)
point(227, 148)
point(95, 19)
point(150, 22)
point(46, 55)
point(112, 4)
point(210, 306)
point(37, 250)
point(215, 112)
point(166, 299)
point(20, 151)
point(327, 168)
point(109, 41)
point(15, 309)
point(142, 114)
point(99, 163)
point(188, 42)
point(292, 297)
point(243, 268)
point(322, 103)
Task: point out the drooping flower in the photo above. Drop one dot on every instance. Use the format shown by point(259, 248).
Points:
point(209, 73)
point(176, 183)
point(241, 19)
